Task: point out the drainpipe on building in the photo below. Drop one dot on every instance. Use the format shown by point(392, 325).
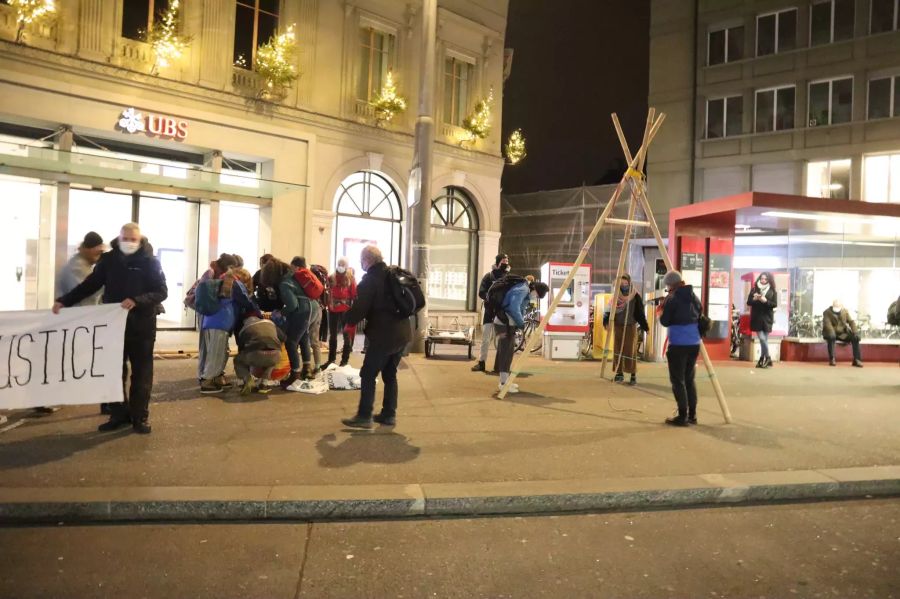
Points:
point(420, 173)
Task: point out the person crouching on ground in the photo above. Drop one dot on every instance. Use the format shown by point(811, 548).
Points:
point(296, 313)
point(512, 317)
point(259, 344)
point(681, 315)
point(838, 326)
point(341, 295)
point(629, 314)
point(234, 305)
point(387, 336)
point(131, 276)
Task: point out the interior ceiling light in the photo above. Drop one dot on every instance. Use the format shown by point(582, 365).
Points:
point(849, 219)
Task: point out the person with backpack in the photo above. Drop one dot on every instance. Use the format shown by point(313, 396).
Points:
point(499, 270)
point(341, 294)
point(315, 328)
point(314, 289)
point(629, 315)
point(296, 313)
point(762, 301)
point(224, 303)
point(217, 268)
point(387, 298)
point(508, 299)
point(266, 297)
point(680, 312)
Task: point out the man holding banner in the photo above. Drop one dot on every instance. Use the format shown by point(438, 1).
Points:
point(131, 276)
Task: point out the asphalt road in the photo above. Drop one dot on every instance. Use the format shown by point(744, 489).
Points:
point(849, 549)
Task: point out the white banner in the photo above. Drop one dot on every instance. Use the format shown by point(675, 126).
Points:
point(74, 357)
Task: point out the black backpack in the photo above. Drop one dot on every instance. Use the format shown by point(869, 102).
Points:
point(497, 293)
point(405, 292)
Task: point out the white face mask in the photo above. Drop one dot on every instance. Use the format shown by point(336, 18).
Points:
point(837, 310)
point(341, 269)
point(129, 247)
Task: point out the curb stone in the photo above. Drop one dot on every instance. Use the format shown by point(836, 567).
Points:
point(366, 502)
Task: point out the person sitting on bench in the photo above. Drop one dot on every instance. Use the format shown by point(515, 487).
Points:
point(838, 326)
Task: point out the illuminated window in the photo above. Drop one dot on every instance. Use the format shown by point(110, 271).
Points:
point(881, 176)
point(376, 59)
point(368, 213)
point(828, 179)
point(454, 243)
point(457, 79)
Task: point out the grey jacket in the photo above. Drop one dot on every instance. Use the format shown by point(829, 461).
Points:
point(72, 274)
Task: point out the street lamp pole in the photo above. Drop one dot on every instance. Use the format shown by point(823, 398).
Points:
point(420, 173)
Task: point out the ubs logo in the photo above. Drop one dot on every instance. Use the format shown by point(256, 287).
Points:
point(132, 121)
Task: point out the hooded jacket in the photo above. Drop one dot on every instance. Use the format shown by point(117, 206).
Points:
point(680, 314)
point(138, 277)
point(385, 332)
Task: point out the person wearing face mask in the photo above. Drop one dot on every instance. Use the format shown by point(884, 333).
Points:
point(130, 275)
point(629, 315)
point(762, 302)
point(838, 326)
point(500, 269)
point(680, 313)
point(341, 294)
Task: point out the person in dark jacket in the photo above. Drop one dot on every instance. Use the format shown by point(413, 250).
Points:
point(629, 315)
point(296, 313)
point(680, 313)
point(838, 326)
point(131, 276)
point(387, 335)
point(259, 347)
point(266, 297)
point(762, 301)
point(499, 270)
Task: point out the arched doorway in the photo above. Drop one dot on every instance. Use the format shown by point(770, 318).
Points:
point(453, 276)
point(368, 213)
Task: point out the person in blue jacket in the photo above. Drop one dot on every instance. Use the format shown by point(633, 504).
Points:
point(512, 317)
point(681, 314)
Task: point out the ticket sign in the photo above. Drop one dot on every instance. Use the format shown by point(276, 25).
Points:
point(574, 309)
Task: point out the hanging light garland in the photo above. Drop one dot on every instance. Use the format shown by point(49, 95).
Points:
point(275, 63)
point(31, 11)
point(168, 46)
point(388, 102)
point(515, 147)
point(478, 124)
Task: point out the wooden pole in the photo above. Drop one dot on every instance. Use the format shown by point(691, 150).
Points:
point(645, 204)
point(539, 331)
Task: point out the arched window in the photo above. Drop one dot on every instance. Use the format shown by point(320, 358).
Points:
point(453, 277)
point(368, 213)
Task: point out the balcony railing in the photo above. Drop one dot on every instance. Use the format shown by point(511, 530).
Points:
point(134, 51)
point(245, 79)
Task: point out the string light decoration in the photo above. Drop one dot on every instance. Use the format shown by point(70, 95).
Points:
point(275, 63)
point(515, 147)
point(478, 124)
point(31, 11)
point(388, 103)
point(168, 46)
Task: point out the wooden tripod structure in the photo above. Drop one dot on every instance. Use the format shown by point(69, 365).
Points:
point(633, 181)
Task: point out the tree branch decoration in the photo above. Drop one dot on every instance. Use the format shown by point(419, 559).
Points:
point(478, 124)
point(168, 46)
point(515, 147)
point(31, 11)
point(388, 103)
point(275, 63)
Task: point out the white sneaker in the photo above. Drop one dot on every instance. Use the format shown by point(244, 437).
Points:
point(514, 388)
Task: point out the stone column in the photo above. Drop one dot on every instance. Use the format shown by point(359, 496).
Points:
point(61, 245)
point(320, 239)
point(488, 248)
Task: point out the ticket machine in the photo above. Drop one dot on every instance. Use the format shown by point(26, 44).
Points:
point(569, 322)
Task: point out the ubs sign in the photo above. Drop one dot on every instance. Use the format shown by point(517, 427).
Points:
point(132, 121)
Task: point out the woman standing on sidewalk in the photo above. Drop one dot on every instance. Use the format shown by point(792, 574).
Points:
point(341, 294)
point(681, 315)
point(629, 314)
point(762, 302)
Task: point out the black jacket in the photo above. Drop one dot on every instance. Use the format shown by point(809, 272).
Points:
point(385, 332)
point(635, 314)
point(266, 297)
point(486, 282)
point(762, 314)
point(138, 277)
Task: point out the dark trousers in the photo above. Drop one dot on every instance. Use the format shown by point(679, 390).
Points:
point(853, 340)
point(297, 328)
point(506, 341)
point(323, 330)
point(139, 355)
point(336, 323)
point(376, 362)
point(682, 368)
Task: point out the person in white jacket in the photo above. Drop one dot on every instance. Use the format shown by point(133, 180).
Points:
point(80, 266)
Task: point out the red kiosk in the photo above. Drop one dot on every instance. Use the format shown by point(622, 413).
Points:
point(818, 249)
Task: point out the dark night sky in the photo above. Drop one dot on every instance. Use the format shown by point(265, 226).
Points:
point(575, 62)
